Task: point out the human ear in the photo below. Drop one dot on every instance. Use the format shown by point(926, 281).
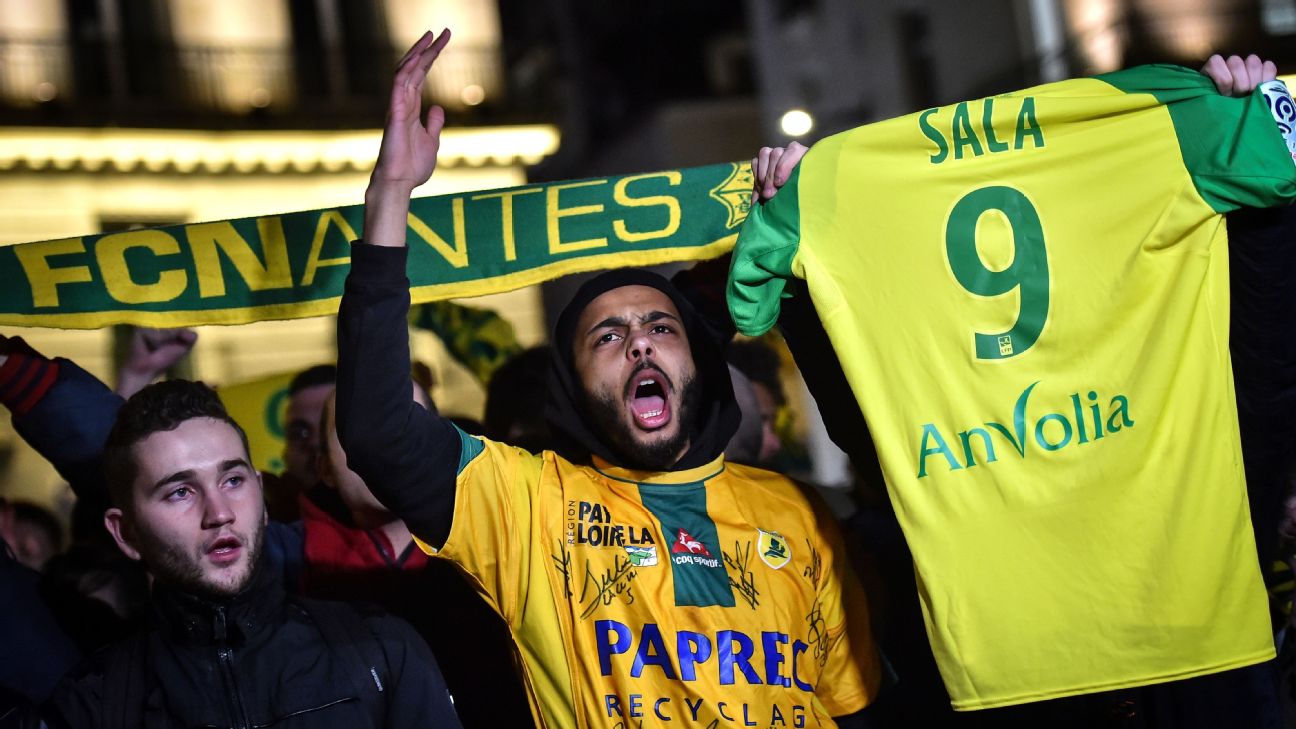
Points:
point(114, 522)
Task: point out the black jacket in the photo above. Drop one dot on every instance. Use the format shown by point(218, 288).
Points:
point(34, 651)
point(261, 659)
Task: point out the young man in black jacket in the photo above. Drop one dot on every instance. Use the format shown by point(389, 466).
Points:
point(228, 646)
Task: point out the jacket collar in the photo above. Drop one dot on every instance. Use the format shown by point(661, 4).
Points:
point(190, 618)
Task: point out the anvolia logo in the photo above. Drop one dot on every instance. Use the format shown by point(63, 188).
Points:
point(1048, 432)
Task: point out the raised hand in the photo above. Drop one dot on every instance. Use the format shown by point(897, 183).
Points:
point(1237, 76)
point(408, 153)
point(152, 352)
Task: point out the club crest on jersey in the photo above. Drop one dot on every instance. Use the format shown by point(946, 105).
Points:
point(686, 544)
point(774, 550)
point(642, 556)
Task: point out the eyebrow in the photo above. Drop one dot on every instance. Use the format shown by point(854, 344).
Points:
point(234, 463)
point(176, 477)
point(619, 321)
point(188, 474)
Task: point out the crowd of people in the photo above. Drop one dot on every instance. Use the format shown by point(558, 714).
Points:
point(615, 544)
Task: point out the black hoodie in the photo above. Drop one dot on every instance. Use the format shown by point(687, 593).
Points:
point(717, 416)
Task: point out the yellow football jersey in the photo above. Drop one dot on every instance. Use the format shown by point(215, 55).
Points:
point(1029, 297)
point(715, 596)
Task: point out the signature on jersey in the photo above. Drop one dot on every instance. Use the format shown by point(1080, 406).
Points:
point(603, 589)
point(737, 562)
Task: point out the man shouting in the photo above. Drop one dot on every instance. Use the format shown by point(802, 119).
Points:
point(645, 580)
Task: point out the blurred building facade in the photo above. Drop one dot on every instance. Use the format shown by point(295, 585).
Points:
point(846, 63)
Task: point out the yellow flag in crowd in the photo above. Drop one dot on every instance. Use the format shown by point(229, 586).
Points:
point(260, 407)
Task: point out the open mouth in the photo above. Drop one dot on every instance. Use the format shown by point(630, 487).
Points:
point(225, 550)
point(649, 399)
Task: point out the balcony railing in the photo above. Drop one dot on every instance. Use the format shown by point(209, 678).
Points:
point(107, 82)
point(33, 72)
point(236, 80)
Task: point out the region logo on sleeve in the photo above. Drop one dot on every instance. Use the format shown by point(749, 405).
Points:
point(773, 548)
point(641, 556)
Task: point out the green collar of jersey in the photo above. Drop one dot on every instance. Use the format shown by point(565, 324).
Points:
point(701, 474)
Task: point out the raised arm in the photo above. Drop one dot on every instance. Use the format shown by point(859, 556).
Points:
point(407, 456)
point(62, 411)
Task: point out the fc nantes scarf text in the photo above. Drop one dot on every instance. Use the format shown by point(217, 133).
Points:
point(293, 265)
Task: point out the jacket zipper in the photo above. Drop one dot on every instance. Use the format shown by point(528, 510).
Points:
point(225, 657)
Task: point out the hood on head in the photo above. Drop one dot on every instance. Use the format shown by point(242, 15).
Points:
point(717, 415)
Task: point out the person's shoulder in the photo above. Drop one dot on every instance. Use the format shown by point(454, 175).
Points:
point(365, 621)
point(393, 637)
point(98, 663)
point(384, 625)
point(773, 490)
point(496, 451)
point(79, 695)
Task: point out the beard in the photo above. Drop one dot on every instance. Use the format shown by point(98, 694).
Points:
point(609, 416)
point(183, 569)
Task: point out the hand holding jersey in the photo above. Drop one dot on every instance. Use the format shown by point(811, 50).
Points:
point(772, 166)
point(1237, 76)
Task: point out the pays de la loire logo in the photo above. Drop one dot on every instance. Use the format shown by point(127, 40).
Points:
point(641, 556)
point(686, 544)
point(773, 548)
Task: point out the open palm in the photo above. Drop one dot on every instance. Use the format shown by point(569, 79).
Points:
point(408, 153)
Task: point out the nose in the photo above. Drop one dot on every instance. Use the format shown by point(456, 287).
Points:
point(638, 346)
point(217, 510)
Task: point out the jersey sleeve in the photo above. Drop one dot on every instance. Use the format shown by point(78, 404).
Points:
point(1232, 147)
point(852, 670)
point(762, 259)
point(494, 524)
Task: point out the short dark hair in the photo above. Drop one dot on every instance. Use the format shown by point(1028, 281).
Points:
point(157, 408)
point(321, 374)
